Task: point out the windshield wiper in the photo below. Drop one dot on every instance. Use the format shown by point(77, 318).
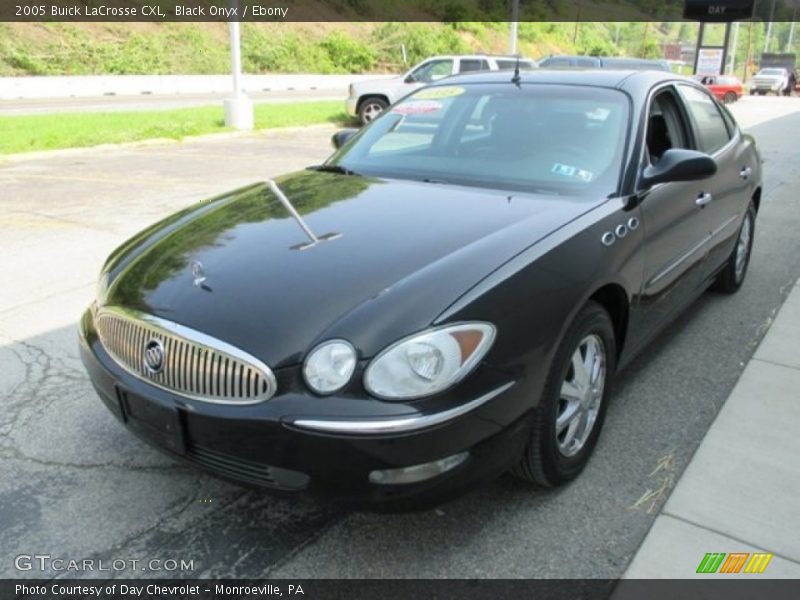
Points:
point(333, 169)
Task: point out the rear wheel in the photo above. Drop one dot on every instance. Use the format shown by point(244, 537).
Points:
point(370, 108)
point(567, 421)
point(729, 98)
point(732, 275)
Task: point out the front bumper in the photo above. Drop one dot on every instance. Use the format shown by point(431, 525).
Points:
point(289, 443)
point(351, 106)
point(767, 86)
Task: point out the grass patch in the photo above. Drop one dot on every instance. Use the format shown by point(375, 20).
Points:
point(31, 133)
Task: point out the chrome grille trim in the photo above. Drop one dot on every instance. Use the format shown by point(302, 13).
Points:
point(195, 365)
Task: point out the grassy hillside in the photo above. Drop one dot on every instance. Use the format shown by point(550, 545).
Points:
point(173, 48)
point(199, 48)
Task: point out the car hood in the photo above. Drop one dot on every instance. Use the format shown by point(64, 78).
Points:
point(231, 268)
point(378, 82)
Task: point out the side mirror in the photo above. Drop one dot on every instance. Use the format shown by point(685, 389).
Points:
point(679, 165)
point(410, 78)
point(340, 138)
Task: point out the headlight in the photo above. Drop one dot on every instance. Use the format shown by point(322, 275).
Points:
point(428, 362)
point(330, 366)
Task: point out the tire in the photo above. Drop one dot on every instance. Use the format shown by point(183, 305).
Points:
point(732, 276)
point(549, 459)
point(370, 108)
point(729, 97)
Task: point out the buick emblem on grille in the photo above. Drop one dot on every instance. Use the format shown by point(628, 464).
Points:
point(154, 356)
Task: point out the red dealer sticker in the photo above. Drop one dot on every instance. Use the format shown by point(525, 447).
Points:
point(417, 107)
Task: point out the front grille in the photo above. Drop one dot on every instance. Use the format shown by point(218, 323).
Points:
point(247, 471)
point(181, 360)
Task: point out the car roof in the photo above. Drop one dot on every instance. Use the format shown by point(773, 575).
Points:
point(629, 79)
point(506, 56)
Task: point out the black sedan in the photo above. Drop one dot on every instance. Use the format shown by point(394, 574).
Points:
point(448, 297)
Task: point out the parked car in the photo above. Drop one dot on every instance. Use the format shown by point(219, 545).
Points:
point(725, 88)
point(770, 80)
point(784, 61)
point(602, 62)
point(367, 99)
point(450, 295)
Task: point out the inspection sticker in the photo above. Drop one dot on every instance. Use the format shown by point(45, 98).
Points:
point(570, 171)
point(440, 92)
point(417, 107)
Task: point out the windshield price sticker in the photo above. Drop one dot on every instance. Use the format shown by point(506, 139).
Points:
point(440, 92)
point(417, 107)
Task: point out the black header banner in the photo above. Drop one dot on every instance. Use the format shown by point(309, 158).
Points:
point(386, 10)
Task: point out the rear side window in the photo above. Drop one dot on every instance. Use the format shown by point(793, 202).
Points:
point(556, 62)
point(468, 65)
point(711, 128)
point(511, 64)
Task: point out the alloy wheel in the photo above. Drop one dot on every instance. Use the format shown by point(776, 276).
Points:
point(371, 111)
point(581, 395)
point(743, 248)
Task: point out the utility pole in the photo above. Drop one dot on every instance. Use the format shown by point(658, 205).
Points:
point(512, 38)
point(732, 63)
point(239, 108)
point(769, 27)
point(747, 54)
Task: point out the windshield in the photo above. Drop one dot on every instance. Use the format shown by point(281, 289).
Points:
point(558, 139)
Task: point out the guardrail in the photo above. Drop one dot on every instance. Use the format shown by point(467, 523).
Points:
point(131, 85)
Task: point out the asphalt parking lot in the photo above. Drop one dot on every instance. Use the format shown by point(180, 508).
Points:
point(75, 485)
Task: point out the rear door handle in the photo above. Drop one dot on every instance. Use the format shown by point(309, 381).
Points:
point(745, 172)
point(703, 199)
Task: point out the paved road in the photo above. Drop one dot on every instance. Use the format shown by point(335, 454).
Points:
point(160, 102)
point(74, 484)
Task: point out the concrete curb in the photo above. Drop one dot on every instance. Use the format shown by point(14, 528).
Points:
point(739, 492)
point(66, 152)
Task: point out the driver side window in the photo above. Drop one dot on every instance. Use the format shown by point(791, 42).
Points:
point(666, 128)
point(431, 71)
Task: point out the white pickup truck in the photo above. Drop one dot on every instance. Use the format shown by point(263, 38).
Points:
point(367, 99)
point(771, 79)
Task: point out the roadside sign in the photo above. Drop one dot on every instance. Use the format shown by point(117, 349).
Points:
point(709, 61)
point(718, 11)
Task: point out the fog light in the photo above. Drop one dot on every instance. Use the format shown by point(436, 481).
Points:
point(417, 472)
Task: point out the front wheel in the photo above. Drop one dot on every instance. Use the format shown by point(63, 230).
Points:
point(572, 407)
point(732, 275)
point(729, 98)
point(371, 108)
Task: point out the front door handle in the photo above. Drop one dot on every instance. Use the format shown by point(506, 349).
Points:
point(745, 172)
point(703, 199)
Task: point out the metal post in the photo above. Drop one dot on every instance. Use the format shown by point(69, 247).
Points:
point(725, 48)
point(236, 57)
point(700, 33)
point(239, 108)
point(514, 29)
